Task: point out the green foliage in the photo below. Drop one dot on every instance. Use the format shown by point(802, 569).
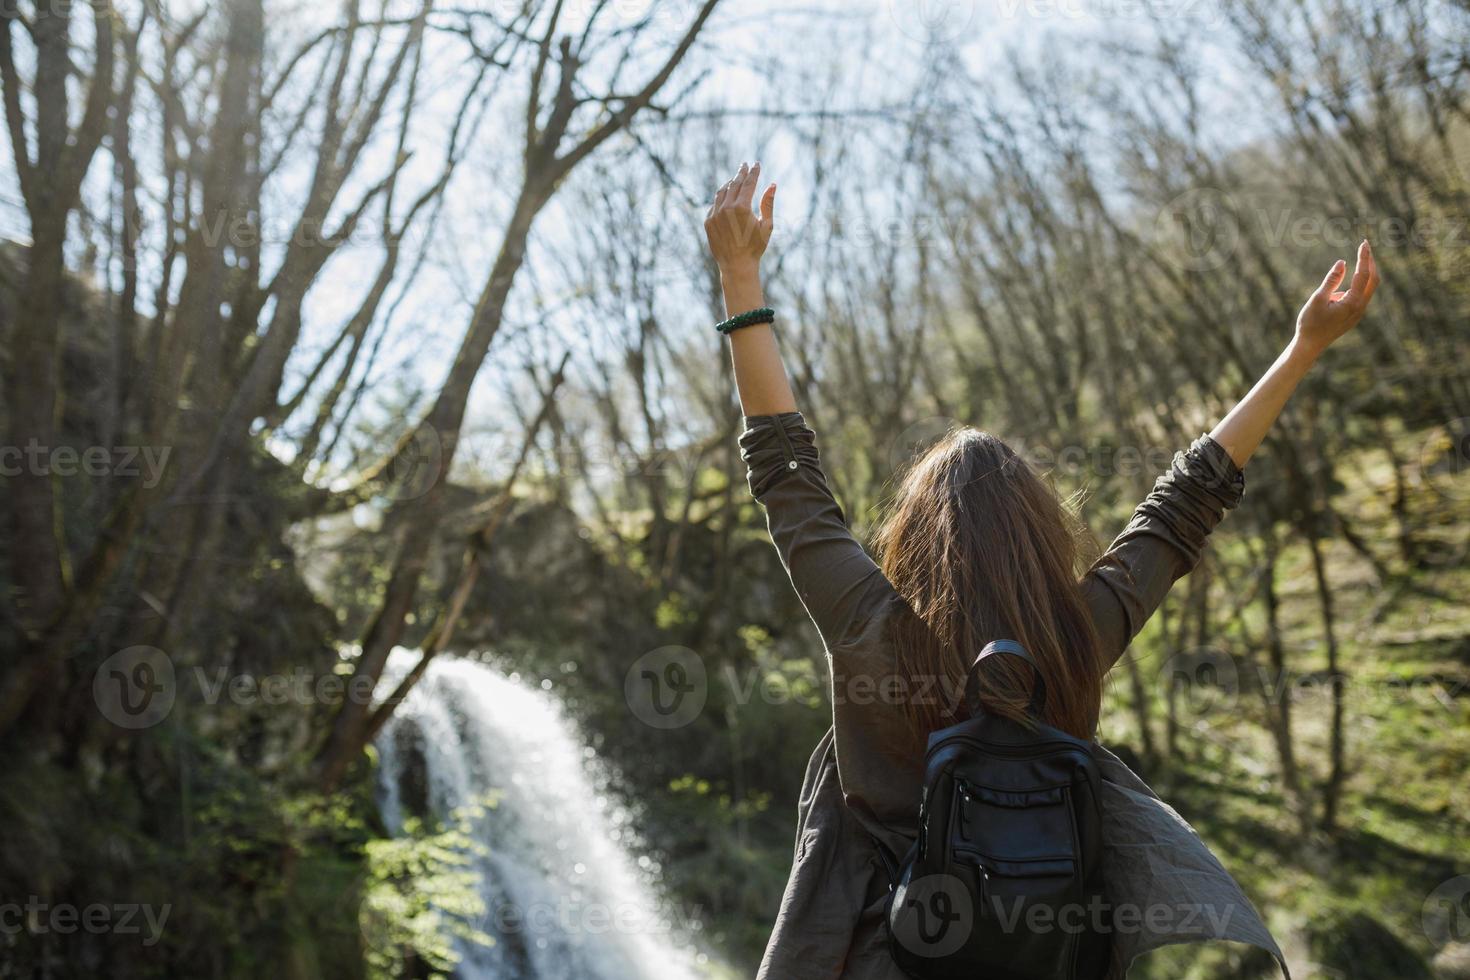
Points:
point(252, 876)
point(1355, 946)
point(672, 612)
point(1350, 902)
point(1064, 310)
point(421, 895)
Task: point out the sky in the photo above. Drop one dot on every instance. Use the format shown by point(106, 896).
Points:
point(805, 57)
point(752, 56)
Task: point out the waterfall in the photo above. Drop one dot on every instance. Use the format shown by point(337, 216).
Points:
point(566, 895)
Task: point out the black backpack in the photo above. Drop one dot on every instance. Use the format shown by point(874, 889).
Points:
point(1003, 880)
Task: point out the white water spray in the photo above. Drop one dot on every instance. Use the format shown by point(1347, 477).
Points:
point(565, 895)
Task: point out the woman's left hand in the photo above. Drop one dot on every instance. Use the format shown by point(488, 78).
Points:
point(1331, 312)
point(737, 236)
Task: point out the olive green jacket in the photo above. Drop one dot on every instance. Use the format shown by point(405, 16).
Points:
point(864, 779)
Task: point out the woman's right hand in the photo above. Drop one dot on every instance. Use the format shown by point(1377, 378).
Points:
point(1329, 313)
point(737, 237)
point(1327, 316)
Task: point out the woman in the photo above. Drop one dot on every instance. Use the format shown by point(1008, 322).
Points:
point(978, 547)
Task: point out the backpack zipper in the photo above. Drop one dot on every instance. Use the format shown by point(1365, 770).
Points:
point(962, 788)
point(984, 886)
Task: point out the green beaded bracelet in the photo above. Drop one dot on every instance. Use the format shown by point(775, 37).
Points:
point(763, 315)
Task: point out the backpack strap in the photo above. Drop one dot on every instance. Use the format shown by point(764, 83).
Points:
point(889, 860)
point(1014, 649)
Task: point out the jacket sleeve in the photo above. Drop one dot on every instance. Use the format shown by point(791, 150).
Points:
point(1162, 542)
point(840, 586)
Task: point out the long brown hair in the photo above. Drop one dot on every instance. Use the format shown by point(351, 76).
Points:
point(981, 548)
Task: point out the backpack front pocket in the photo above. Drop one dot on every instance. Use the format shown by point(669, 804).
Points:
point(1021, 849)
point(1013, 828)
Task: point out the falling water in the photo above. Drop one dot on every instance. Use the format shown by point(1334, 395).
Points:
point(565, 895)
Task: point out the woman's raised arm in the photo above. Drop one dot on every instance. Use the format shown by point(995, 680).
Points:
point(1166, 536)
point(738, 238)
point(838, 583)
point(1327, 315)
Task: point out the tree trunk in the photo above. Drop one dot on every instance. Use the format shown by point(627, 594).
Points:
point(346, 740)
point(1276, 692)
point(31, 399)
point(1332, 787)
